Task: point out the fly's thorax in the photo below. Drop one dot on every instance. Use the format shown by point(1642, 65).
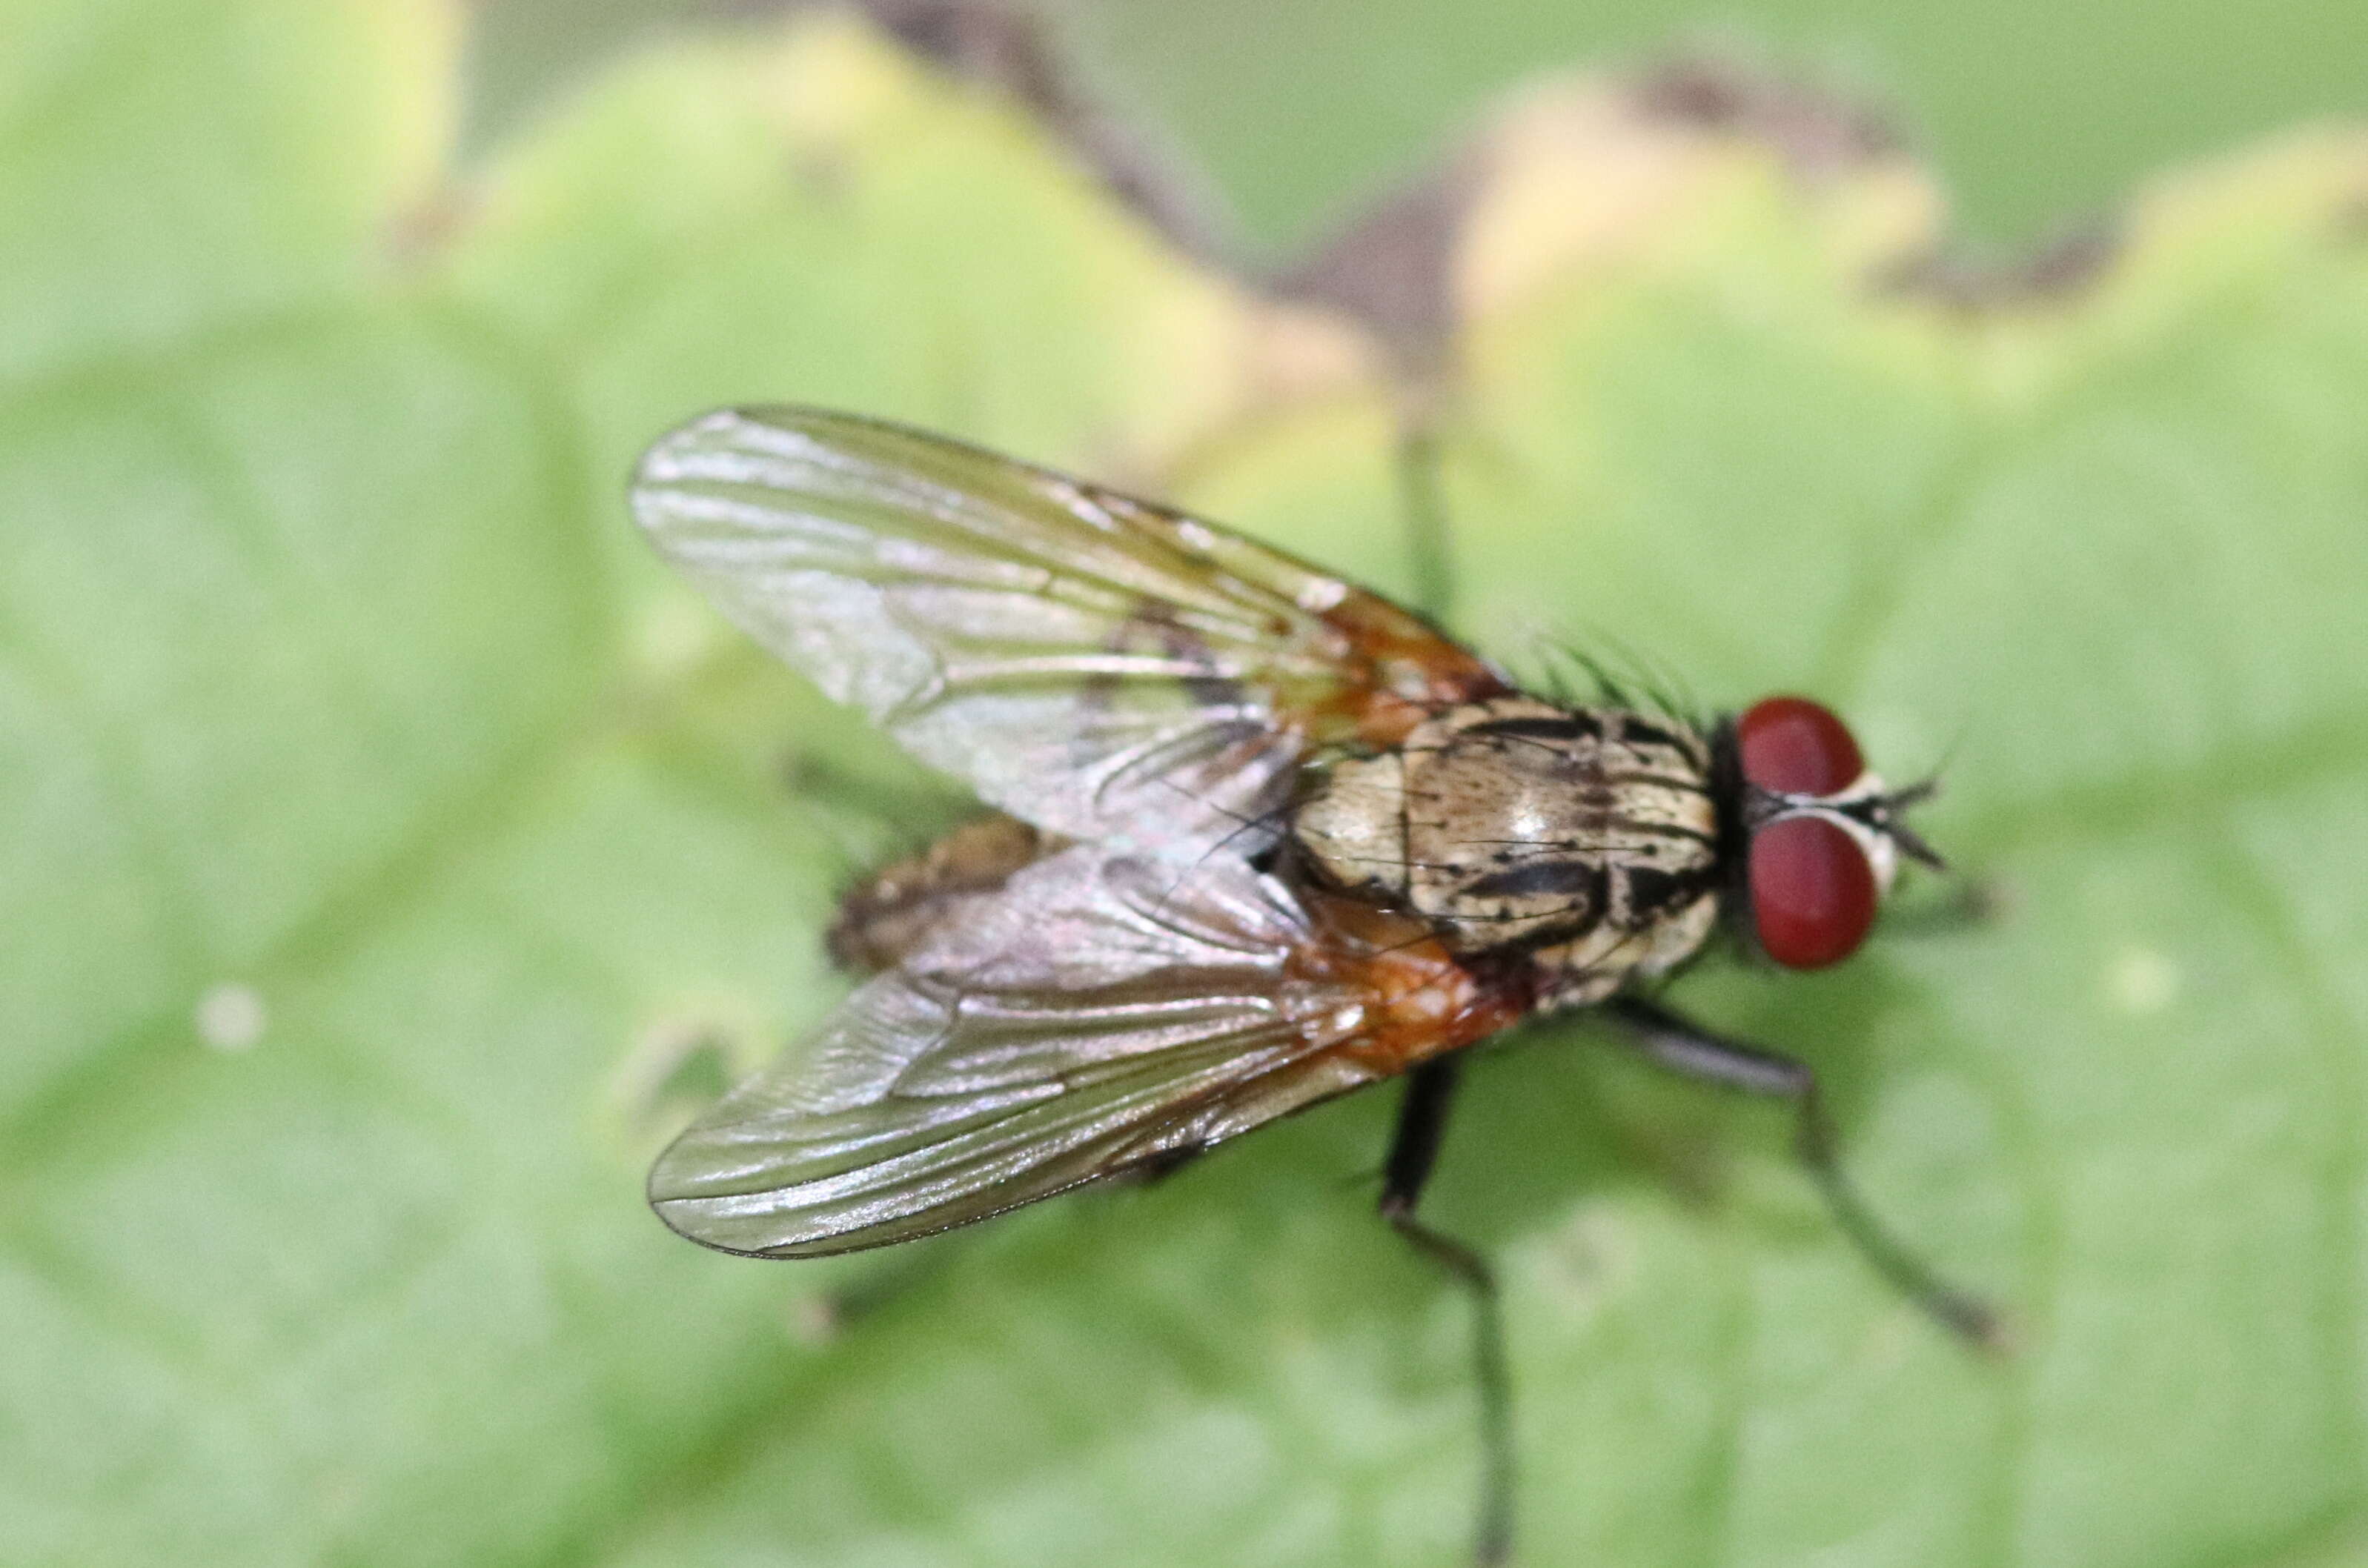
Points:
point(1517, 822)
point(1353, 827)
point(1583, 971)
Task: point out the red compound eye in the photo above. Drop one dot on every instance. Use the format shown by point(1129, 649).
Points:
point(1813, 893)
point(1797, 747)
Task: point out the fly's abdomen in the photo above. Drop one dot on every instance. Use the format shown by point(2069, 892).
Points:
point(885, 915)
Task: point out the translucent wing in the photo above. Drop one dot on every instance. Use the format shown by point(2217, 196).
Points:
point(1095, 665)
point(1093, 1015)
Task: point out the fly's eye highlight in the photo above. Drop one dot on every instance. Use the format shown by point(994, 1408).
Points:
point(1794, 746)
point(1813, 893)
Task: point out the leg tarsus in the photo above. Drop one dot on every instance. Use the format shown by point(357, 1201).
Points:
point(1686, 1048)
point(1414, 1149)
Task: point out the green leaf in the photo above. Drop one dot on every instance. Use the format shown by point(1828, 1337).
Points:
point(390, 854)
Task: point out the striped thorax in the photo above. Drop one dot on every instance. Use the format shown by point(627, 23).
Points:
point(1586, 838)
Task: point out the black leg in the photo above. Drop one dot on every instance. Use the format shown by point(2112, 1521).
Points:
point(1695, 1052)
point(1414, 1148)
point(1430, 1088)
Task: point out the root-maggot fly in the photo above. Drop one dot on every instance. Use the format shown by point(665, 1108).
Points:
point(1255, 838)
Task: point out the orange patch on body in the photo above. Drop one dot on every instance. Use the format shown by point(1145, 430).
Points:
point(1414, 672)
point(1420, 1001)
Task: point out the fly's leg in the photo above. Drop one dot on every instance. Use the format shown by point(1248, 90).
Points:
point(1414, 1148)
point(1430, 1088)
point(1686, 1048)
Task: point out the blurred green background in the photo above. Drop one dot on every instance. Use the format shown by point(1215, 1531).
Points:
point(2038, 113)
point(392, 854)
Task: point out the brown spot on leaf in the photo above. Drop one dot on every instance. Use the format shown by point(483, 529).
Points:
point(2059, 269)
point(419, 232)
point(1819, 132)
point(1000, 47)
point(1393, 267)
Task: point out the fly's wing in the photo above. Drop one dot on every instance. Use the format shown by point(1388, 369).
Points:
point(1094, 1014)
point(1094, 665)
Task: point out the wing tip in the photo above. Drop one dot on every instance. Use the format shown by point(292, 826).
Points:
point(682, 1191)
point(697, 1220)
point(704, 1218)
point(670, 1215)
point(676, 1195)
point(662, 491)
point(660, 460)
point(705, 447)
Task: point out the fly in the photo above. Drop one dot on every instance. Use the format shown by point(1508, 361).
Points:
point(1255, 838)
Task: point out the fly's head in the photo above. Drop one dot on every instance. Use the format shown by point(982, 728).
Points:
point(1816, 835)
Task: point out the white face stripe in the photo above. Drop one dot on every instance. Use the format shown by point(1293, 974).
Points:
point(1882, 854)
